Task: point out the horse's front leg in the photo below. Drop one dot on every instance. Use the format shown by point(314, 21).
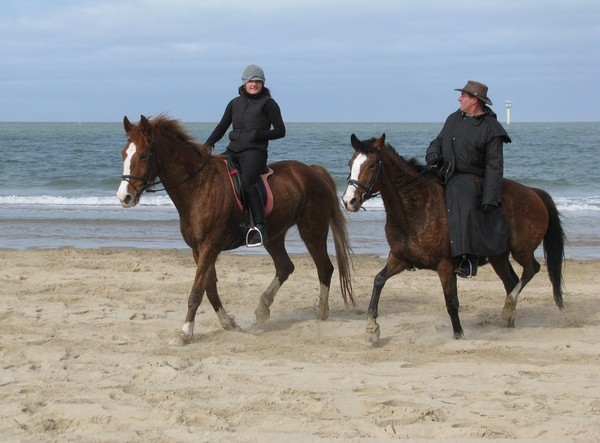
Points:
point(227, 322)
point(393, 266)
point(194, 300)
point(206, 279)
point(373, 331)
point(448, 279)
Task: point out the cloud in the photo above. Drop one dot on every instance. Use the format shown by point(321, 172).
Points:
point(324, 60)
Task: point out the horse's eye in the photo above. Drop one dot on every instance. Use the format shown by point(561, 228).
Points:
point(143, 156)
point(371, 166)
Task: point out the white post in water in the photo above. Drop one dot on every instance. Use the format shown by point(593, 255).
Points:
point(508, 103)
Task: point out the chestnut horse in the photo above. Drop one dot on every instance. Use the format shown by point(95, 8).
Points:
point(417, 228)
point(201, 190)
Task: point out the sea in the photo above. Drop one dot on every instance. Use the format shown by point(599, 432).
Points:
point(58, 182)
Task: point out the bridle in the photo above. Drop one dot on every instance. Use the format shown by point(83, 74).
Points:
point(145, 179)
point(147, 182)
point(368, 188)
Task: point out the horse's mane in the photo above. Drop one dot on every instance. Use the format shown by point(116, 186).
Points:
point(367, 147)
point(174, 128)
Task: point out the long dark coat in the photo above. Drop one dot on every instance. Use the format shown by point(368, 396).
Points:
point(473, 171)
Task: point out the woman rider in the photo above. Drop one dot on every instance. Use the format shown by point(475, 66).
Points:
point(252, 115)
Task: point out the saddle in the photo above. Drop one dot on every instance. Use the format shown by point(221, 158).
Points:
point(236, 184)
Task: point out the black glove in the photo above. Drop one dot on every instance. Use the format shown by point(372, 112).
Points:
point(486, 209)
point(434, 158)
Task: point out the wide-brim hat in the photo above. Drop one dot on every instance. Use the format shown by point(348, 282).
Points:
point(253, 73)
point(476, 89)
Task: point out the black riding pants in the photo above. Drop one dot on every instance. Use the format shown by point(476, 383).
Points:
point(252, 162)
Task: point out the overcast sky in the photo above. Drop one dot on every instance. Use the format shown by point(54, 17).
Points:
point(324, 60)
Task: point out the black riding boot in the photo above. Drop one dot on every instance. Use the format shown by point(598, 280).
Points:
point(468, 266)
point(258, 234)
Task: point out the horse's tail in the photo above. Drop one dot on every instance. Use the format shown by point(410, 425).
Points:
point(340, 238)
point(554, 246)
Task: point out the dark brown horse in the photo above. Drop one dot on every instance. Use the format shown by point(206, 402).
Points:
point(200, 188)
point(417, 228)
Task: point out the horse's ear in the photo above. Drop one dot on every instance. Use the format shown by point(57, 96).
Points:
point(145, 124)
point(126, 125)
point(379, 143)
point(354, 141)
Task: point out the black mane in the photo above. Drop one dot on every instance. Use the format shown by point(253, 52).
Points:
point(367, 147)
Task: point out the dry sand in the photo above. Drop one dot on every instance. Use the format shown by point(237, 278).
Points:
point(85, 355)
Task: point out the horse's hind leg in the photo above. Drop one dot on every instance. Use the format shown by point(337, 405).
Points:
point(315, 239)
point(507, 274)
point(283, 268)
point(512, 284)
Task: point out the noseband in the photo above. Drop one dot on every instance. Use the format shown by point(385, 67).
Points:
point(368, 188)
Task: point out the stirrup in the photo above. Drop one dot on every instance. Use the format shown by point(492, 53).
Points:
point(461, 268)
point(250, 231)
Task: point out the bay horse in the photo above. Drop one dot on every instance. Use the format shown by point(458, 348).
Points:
point(199, 185)
point(417, 228)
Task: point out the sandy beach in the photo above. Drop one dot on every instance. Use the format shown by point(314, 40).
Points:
point(86, 355)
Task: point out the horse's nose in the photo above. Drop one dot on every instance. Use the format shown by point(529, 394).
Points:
point(352, 204)
point(349, 204)
point(127, 201)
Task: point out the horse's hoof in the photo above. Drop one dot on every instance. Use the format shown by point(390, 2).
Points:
point(262, 315)
point(508, 319)
point(230, 325)
point(459, 335)
point(372, 330)
point(323, 315)
point(371, 337)
point(181, 340)
point(372, 333)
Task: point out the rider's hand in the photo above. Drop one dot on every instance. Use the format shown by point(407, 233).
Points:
point(434, 158)
point(486, 209)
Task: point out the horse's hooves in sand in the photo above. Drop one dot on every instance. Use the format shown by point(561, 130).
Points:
point(180, 339)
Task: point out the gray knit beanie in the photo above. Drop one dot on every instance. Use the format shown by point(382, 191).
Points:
point(252, 72)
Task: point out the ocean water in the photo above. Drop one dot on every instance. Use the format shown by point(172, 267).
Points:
point(59, 181)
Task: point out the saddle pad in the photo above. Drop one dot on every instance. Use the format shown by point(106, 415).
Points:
point(264, 177)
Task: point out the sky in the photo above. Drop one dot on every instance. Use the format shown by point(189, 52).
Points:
point(324, 60)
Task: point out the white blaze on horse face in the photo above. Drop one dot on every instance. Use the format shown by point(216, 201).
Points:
point(122, 192)
point(354, 172)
